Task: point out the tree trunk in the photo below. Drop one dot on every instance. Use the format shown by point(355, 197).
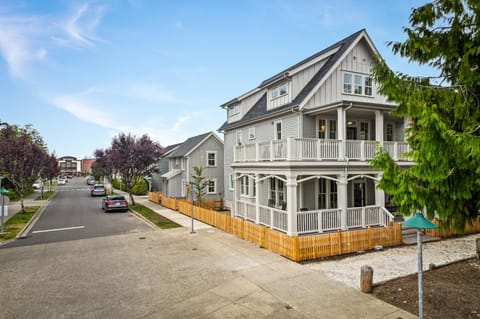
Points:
point(21, 205)
point(129, 190)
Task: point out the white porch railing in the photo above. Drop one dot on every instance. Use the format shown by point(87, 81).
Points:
point(316, 221)
point(331, 219)
point(312, 149)
point(268, 216)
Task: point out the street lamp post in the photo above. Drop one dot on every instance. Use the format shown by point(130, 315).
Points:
point(420, 222)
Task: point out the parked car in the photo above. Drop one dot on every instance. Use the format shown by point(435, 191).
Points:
point(37, 185)
point(61, 181)
point(98, 190)
point(90, 181)
point(114, 202)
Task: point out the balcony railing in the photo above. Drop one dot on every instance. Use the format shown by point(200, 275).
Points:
point(311, 149)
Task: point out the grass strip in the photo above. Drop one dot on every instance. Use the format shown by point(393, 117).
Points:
point(155, 218)
point(46, 195)
point(15, 224)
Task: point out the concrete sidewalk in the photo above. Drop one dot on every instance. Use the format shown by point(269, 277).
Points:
point(179, 218)
point(14, 207)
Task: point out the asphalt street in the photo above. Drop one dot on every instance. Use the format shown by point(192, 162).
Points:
point(115, 266)
point(74, 214)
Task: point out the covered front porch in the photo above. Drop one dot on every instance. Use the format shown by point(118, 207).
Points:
point(315, 203)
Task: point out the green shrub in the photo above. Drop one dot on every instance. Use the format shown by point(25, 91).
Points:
point(118, 185)
point(140, 188)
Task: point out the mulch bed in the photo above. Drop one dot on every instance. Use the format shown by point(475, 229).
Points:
point(451, 291)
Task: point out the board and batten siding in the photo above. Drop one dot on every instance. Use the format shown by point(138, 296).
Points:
point(358, 61)
point(229, 138)
point(245, 106)
point(199, 158)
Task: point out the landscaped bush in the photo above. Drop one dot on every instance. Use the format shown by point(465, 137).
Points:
point(140, 188)
point(118, 185)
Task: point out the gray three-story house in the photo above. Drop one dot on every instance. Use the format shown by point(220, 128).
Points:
point(297, 146)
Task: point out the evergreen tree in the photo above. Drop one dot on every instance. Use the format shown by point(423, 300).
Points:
point(444, 113)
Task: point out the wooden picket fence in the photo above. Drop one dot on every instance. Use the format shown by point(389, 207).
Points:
point(472, 228)
point(295, 248)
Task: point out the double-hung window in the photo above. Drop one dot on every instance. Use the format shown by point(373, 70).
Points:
point(278, 130)
point(244, 185)
point(211, 159)
point(212, 186)
point(251, 133)
point(239, 137)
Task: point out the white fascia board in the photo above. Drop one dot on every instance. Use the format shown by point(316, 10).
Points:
point(332, 69)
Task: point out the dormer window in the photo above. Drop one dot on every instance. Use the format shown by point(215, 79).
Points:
point(234, 110)
point(280, 90)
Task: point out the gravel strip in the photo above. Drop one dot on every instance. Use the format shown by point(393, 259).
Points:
point(396, 262)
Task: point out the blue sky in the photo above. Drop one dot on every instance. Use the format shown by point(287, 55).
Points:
point(82, 71)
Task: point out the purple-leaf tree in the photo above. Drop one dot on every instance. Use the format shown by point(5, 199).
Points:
point(51, 169)
point(132, 158)
point(103, 166)
point(23, 157)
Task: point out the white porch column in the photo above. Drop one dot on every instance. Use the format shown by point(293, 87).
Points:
point(257, 198)
point(379, 193)
point(291, 204)
point(341, 129)
point(342, 193)
point(379, 127)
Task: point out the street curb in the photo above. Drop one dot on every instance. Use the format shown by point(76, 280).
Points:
point(149, 223)
point(24, 232)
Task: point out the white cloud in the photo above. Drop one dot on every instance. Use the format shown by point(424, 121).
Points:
point(17, 42)
point(26, 39)
point(81, 25)
point(162, 124)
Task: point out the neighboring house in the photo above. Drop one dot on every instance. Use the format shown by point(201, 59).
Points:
point(297, 146)
point(205, 150)
point(159, 183)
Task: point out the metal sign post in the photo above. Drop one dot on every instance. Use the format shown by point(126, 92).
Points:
point(192, 187)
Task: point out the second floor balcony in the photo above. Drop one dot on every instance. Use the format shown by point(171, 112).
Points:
point(312, 149)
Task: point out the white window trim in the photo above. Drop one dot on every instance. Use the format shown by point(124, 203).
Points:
point(238, 141)
point(251, 133)
point(182, 164)
point(352, 84)
point(177, 161)
point(214, 180)
point(182, 192)
point(234, 110)
point(231, 182)
point(277, 88)
point(275, 130)
point(215, 159)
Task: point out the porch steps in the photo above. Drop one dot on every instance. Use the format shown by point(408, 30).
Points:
point(409, 236)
